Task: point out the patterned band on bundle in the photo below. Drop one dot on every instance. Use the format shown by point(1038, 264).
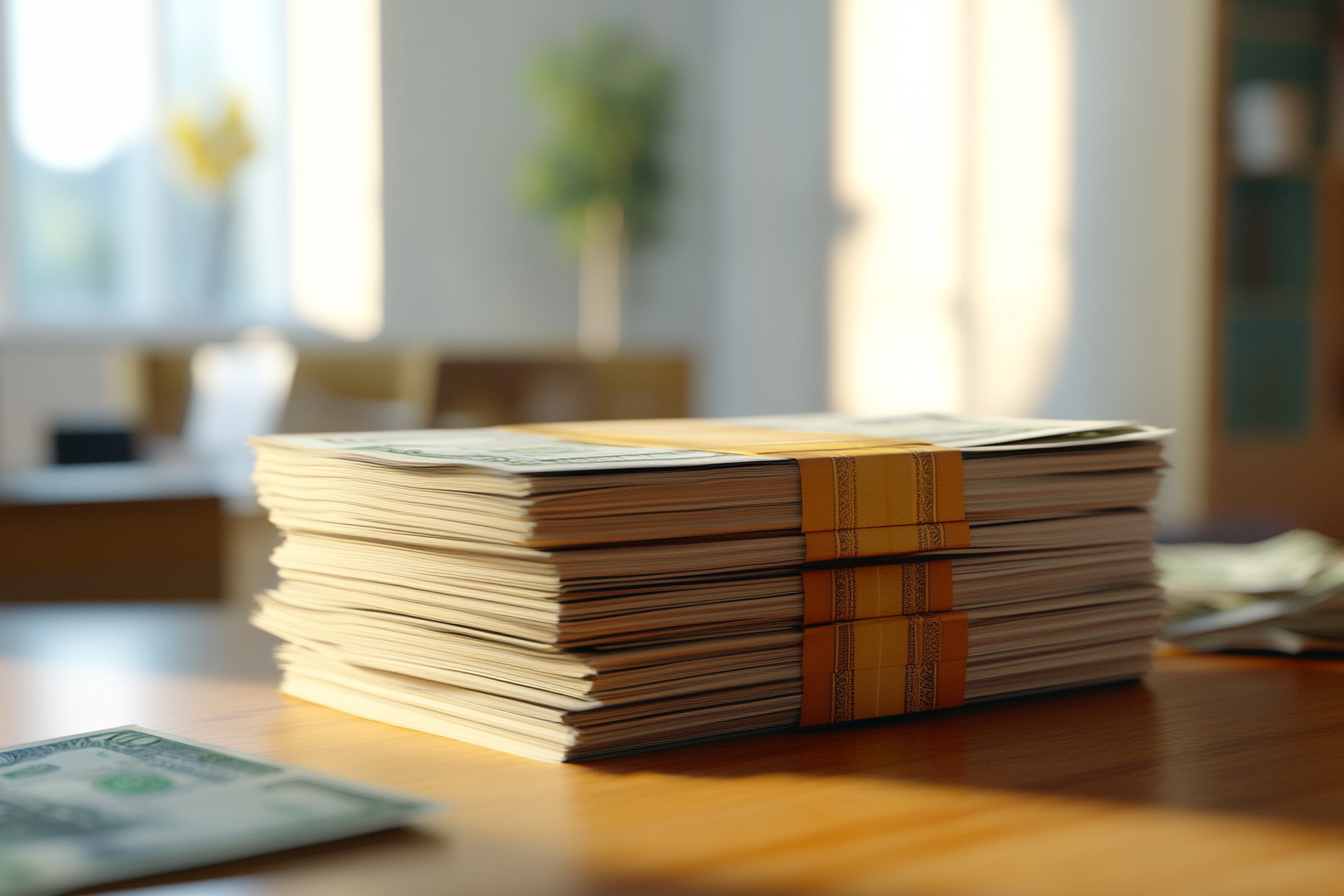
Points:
point(885, 666)
point(843, 593)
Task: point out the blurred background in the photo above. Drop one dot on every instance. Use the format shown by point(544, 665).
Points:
point(304, 215)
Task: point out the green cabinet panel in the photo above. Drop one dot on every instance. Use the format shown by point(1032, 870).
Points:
point(1268, 377)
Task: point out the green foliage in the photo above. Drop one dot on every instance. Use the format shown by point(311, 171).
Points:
point(608, 97)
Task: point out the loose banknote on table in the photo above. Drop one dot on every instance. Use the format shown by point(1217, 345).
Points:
point(1284, 594)
point(125, 802)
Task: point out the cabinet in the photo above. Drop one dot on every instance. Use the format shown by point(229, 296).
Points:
point(1277, 431)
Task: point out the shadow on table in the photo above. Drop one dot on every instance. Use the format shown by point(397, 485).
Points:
point(1249, 735)
point(1078, 744)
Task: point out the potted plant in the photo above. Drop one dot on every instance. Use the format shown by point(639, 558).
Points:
point(599, 171)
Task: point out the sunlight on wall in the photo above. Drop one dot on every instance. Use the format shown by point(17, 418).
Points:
point(898, 136)
point(949, 290)
point(336, 219)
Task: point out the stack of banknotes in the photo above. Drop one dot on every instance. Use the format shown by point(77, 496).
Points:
point(570, 591)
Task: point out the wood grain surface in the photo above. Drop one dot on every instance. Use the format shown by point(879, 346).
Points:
point(1215, 775)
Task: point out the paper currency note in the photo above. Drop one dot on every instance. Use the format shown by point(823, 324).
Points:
point(496, 449)
point(516, 452)
point(120, 803)
point(973, 432)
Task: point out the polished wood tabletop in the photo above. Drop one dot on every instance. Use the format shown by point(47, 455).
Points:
point(1215, 775)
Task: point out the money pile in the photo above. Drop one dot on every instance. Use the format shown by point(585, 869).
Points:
point(571, 591)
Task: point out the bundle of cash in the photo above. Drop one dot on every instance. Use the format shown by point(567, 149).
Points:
point(126, 802)
point(569, 591)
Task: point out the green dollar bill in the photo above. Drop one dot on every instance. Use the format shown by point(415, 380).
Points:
point(110, 805)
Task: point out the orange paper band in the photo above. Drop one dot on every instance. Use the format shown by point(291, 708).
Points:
point(881, 667)
point(889, 691)
point(861, 488)
point(883, 642)
point(839, 594)
point(847, 544)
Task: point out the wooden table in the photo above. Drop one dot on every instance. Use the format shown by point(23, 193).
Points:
point(1217, 775)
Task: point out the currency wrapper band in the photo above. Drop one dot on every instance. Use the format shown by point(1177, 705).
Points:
point(878, 640)
point(883, 667)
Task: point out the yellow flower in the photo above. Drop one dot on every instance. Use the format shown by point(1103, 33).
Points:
point(214, 150)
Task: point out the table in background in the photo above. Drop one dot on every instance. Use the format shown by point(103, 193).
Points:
point(1216, 775)
point(117, 531)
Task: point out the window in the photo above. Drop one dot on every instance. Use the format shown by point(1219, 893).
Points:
point(196, 161)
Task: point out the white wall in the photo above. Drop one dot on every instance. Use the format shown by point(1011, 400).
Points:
point(1141, 232)
point(774, 211)
point(47, 383)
